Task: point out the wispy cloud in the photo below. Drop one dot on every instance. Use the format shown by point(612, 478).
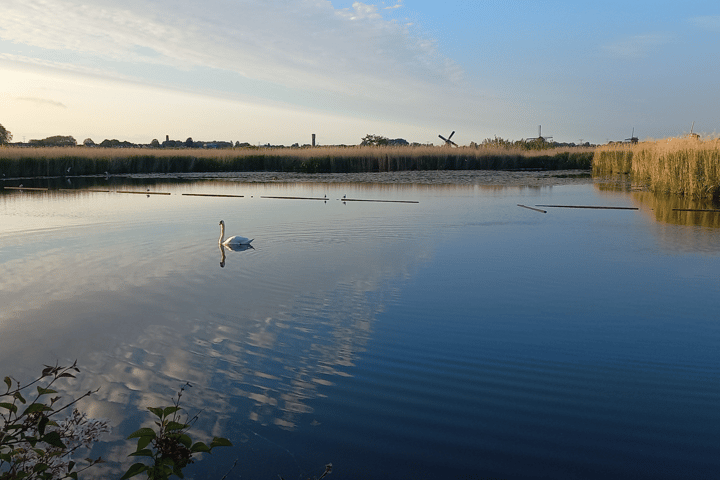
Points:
point(297, 44)
point(636, 46)
point(708, 22)
point(42, 101)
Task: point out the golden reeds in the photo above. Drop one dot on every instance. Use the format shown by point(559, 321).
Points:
point(58, 161)
point(682, 166)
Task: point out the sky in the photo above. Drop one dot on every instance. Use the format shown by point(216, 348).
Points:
point(278, 71)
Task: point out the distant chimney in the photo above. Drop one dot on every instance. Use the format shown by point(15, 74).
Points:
point(313, 139)
point(167, 138)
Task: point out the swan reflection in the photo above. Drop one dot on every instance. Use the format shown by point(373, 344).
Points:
point(233, 248)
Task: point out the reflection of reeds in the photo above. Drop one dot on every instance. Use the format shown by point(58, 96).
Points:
point(679, 210)
point(684, 166)
point(58, 161)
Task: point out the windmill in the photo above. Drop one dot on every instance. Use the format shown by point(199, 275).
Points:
point(633, 138)
point(539, 138)
point(693, 135)
point(448, 142)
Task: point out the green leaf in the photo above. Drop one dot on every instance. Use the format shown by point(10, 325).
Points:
point(66, 375)
point(71, 465)
point(143, 432)
point(9, 406)
point(8, 382)
point(157, 411)
point(185, 440)
point(44, 420)
point(200, 447)
point(144, 442)
point(73, 475)
point(220, 442)
point(19, 396)
point(170, 410)
point(45, 391)
point(171, 426)
point(135, 469)
point(142, 453)
point(53, 438)
point(36, 407)
point(40, 467)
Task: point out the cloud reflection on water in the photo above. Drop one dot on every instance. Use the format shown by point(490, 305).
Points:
point(258, 339)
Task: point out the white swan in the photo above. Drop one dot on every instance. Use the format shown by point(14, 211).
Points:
point(236, 240)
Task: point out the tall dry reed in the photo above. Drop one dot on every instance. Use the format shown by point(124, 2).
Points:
point(682, 166)
point(58, 161)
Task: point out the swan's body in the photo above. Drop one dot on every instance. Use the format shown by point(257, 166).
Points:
point(235, 240)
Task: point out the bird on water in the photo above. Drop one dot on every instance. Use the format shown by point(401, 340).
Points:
point(234, 240)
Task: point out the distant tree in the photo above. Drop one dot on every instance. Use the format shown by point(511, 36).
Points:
point(155, 143)
point(114, 143)
point(398, 142)
point(189, 142)
point(88, 142)
point(497, 142)
point(374, 140)
point(5, 136)
point(55, 141)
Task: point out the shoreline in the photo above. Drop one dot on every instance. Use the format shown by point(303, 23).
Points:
point(500, 178)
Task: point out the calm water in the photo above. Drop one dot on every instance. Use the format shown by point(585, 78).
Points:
point(458, 337)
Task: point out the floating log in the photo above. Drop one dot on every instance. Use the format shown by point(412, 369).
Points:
point(26, 188)
point(531, 208)
point(82, 190)
point(144, 193)
point(695, 210)
point(382, 201)
point(210, 195)
point(298, 198)
point(588, 206)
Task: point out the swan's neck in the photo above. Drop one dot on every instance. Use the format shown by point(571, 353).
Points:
point(222, 233)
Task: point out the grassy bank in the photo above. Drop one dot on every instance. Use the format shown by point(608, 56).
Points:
point(58, 161)
point(681, 166)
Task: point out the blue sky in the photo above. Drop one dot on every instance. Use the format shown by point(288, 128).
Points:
point(277, 71)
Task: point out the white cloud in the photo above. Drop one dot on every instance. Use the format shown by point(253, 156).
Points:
point(636, 46)
point(360, 11)
point(299, 44)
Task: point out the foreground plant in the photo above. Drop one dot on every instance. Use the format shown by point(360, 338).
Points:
point(33, 443)
point(170, 448)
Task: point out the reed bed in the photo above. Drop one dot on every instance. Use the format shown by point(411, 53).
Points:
point(682, 166)
point(71, 161)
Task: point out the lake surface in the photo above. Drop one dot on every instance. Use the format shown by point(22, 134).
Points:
point(462, 336)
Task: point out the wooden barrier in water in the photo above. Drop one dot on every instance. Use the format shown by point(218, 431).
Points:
point(27, 188)
point(210, 195)
point(297, 198)
point(83, 190)
point(709, 210)
point(588, 206)
point(531, 208)
point(380, 201)
point(343, 199)
point(143, 193)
